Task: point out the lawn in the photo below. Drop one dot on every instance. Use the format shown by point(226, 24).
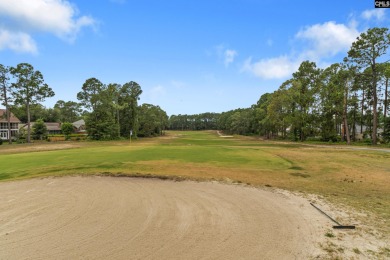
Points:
point(357, 178)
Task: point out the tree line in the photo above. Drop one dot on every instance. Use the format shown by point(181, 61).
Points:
point(110, 111)
point(336, 103)
point(114, 111)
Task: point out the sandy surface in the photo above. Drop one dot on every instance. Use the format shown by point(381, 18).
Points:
point(126, 218)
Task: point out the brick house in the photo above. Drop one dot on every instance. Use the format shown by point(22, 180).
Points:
point(4, 125)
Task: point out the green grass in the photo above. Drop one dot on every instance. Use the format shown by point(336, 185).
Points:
point(122, 158)
point(358, 178)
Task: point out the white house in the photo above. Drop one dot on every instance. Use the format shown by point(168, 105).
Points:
point(4, 125)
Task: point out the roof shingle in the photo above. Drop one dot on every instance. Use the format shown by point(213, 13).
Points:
point(3, 117)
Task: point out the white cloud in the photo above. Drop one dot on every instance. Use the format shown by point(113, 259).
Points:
point(319, 41)
point(18, 42)
point(327, 39)
point(378, 14)
point(225, 54)
point(57, 17)
point(229, 56)
point(272, 68)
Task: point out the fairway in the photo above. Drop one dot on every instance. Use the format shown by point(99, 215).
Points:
point(355, 182)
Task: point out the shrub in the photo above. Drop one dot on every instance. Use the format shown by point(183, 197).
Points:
point(1, 141)
point(313, 139)
point(67, 129)
point(367, 140)
point(386, 132)
point(39, 130)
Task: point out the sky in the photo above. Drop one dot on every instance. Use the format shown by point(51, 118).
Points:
point(188, 56)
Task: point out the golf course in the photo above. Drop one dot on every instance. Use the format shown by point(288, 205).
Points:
point(350, 183)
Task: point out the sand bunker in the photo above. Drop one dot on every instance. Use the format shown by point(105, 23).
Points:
point(125, 218)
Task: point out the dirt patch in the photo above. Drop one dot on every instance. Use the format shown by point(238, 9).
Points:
point(122, 218)
point(224, 136)
point(38, 147)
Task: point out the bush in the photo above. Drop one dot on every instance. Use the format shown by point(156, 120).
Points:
point(313, 139)
point(39, 130)
point(336, 139)
point(367, 140)
point(67, 130)
point(386, 132)
point(1, 141)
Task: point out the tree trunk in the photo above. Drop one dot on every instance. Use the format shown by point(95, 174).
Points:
point(8, 114)
point(385, 102)
point(28, 122)
point(385, 108)
point(119, 125)
point(361, 118)
point(9, 122)
point(354, 122)
point(375, 103)
point(345, 120)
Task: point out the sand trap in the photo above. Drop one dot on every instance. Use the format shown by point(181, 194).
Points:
point(224, 136)
point(125, 218)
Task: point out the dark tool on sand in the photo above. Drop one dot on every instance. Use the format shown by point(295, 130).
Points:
point(339, 226)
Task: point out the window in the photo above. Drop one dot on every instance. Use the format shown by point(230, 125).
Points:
point(3, 135)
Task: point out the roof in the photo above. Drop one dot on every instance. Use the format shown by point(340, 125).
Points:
point(53, 126)
point(3, 117)
point(78, 123)
point(50, 126)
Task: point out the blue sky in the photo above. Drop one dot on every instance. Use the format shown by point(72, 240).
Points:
point(189, 56)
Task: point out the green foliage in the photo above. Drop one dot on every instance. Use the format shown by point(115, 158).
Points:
point(37, 111)
point(29, 88)
point(5, 92)
point(39, 130)
point(240, 121)
point(386, 131)
point(1, 141)
point(331, 94)
point(113, 109)
point(67, 129)
point(263, 123)
point(314, 102)
point(100, 121)
point(69, 111)
point(22, 135)
point(128, 96)
point(152, 120)
point(365, 52)
point(204, 121)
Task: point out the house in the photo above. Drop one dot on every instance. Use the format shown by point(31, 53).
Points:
point(79, 127)
point(363, 132)
point(4, 125)
point(53, 128)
